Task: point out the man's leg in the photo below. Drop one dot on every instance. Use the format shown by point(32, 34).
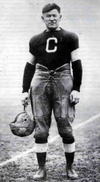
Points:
point(41, 145)
point(65, 132)
point(64, 113)
point(69, 155)
point(41, 151)
point(42, 113)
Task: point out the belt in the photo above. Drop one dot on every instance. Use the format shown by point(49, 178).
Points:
point(61, 68)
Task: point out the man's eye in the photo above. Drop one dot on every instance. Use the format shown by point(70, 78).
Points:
point(54, 16)
point(47, 16)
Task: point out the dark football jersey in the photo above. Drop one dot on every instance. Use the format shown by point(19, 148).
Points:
point(53, 49)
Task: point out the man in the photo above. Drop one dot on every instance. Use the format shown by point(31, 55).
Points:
point(54, 52)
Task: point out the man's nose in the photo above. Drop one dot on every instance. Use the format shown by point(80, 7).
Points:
point(51, 18)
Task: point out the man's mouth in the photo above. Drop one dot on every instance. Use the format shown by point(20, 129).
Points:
point(52, 23)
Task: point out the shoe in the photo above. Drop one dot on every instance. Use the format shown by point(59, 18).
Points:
point(40, 174)
point(71, 174)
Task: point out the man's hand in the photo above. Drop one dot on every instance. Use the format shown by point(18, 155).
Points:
point(25, 99)
point(74, 97)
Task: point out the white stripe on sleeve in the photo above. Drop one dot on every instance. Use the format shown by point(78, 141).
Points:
point(75, 55)
point(31, 59)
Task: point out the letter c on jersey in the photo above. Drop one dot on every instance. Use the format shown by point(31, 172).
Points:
point(47, 45)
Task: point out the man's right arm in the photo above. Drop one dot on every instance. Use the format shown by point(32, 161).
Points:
point(29, 71)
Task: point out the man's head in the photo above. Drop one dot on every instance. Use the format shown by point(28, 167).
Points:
point(51, 16)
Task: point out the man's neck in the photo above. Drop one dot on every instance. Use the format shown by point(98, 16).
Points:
point(49, 30)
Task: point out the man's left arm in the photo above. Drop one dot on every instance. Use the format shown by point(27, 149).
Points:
point(77, 72)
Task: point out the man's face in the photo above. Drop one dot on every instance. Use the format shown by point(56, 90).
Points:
point(51, 19)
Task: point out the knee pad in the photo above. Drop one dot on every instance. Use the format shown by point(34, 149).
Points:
point(67, 137)
point(68, 140)
point(41, 129)
point(65, 129)
point(41, 141)
point(41, 136)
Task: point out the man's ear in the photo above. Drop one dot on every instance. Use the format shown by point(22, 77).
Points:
point(60, 16)
point(42, 18)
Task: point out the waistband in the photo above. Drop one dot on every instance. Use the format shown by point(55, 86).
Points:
point(61, 68)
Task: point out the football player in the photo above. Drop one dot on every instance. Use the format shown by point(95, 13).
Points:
point(53, 87)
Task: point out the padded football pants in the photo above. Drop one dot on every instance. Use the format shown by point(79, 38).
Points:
point(50, 91)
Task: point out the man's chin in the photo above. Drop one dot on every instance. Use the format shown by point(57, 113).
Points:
point(52, 28)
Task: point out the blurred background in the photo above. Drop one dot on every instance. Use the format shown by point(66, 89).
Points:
point(20, 20)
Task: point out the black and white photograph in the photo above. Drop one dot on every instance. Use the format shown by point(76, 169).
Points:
point(49, 90)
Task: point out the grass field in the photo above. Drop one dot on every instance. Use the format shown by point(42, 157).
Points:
point(22, 168)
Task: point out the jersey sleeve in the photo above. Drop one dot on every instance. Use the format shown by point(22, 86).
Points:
point(74, 42)
point(32, 47)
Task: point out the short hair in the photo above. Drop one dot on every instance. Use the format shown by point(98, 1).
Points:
point(49, 7)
